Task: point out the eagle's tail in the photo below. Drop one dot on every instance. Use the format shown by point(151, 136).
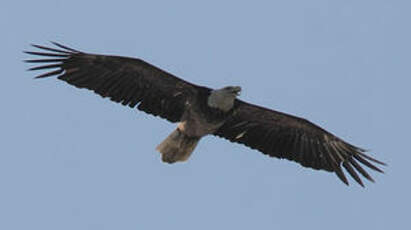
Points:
point(177, 147)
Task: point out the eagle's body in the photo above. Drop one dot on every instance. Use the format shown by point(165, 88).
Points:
point(194, 123)
point(201, 111)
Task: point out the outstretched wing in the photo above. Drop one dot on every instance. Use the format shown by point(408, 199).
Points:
point(284, 136)
point(128, 81)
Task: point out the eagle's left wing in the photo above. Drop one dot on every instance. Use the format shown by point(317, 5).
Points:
point(284, 136)
point(128, 81)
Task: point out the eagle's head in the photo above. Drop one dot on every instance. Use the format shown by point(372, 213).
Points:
point(234, 90)
point(223, 99)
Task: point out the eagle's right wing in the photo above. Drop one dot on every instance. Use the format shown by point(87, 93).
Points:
point(284, 136)
point(128, 81)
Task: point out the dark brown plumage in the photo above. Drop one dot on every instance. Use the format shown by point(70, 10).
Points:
point(136, 83)
point(284, 136)
point(124, 80)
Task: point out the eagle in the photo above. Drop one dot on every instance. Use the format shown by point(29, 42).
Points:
point(201, 111)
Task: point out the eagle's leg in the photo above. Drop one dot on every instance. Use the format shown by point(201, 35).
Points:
point(177, 147)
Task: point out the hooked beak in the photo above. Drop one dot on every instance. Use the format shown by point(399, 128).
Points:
point(237, 90)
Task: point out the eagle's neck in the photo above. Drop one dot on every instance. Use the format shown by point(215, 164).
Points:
point(221, 99)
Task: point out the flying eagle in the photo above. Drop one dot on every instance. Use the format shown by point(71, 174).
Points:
point(201, 111)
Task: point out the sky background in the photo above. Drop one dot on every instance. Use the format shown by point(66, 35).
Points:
point(72, 160)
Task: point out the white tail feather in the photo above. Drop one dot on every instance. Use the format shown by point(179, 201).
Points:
point(177, 147)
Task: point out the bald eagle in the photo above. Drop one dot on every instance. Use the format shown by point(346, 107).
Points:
point(202, 111)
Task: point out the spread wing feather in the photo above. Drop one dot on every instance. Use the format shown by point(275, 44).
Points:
point(128, 81)
point(284, 136)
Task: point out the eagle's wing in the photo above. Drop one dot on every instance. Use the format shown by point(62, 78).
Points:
point(128, 81)
point(284, 136)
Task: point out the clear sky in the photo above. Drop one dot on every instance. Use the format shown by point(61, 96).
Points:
point(72, 160)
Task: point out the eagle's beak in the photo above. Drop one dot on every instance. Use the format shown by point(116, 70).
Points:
point(237, 90)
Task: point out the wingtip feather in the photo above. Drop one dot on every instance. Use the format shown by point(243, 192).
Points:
point(341, 175)
point(372, 159)
point(48, 74)
point(352, 172)
point(64, 47)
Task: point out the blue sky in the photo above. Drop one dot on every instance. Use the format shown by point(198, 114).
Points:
point(71, 160)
